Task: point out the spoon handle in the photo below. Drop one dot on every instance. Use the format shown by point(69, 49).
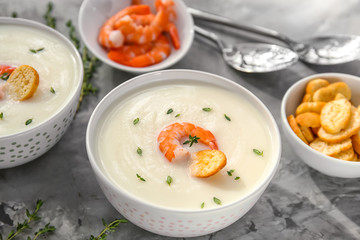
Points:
point(210, 35)
point(229, 22)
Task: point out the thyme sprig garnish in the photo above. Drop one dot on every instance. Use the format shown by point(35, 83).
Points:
point(5, 76)
point(169, 180)
point(36, 50)
point(31, 217)
point(1, 115)
point(192, 140)
point(46, 229)
point(28, 121)
point(177, 115)
point(72, 34)
point(50, 20)
point(109, 228)
point(52, 90)
point(207, 109)
point(217, 201)
point(140, 178)
point(227, 117)
point(230, 172)
point(139, 151)
point(14, 14)
point(169, 111)
point(136, 121)
point(258, 152)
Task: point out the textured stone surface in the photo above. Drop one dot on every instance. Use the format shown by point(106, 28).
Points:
point(300, 203)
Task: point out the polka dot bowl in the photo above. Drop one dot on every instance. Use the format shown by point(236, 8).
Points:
point(165, 220)
point(22, 147)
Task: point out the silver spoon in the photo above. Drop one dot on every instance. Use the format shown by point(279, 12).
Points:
point(326, 50)
point(252, 57)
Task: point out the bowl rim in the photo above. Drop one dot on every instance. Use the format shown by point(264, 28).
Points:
point(36, 25)
point(165, 64)
point(266, 178)
point(288, 129)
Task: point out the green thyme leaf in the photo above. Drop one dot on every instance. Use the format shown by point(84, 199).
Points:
point(1, 115)
point(136, 121)
point(227, 117)
point(207, 109)
point(169, 180)
point(193, 139)
point(36, 50)
point(72, 35)
point(177, 115)
point(237, 178)
point(139, 151)
point(50, 20)
point(52, 90)
point(5, 76)
point(230, 172)
point(14, 14)
point(202, 205)
point(28, 121)
point(169, 111)
point(217, 201)
point(258, 152)
point(109, 228)
point(140, 178)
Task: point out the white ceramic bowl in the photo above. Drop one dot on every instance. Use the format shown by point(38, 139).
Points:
point(17, 149)
point(322, 163)
point(184, 223)
point(94, 13)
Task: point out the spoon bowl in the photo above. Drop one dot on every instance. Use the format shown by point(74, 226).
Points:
point(252, 57)
point(330, 50)
point(327, 50)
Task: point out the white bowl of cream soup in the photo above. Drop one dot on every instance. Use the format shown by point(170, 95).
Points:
point(31, 127)
point(162, 196)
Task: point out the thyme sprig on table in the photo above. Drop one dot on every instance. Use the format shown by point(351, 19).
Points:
point(50, 20)
point(109, 228)
point(31, 217)
point(89, 62)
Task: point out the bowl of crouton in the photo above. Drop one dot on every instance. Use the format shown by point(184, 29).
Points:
point(320, 117)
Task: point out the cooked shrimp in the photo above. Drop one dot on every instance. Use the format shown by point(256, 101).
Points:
point(110, 37)
point(170, 137)
point(139, 34)
point(125, 53)
point(143, 19)
point(160, 50)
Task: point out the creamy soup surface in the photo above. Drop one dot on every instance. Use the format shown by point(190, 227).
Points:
point(56, 66)
point(118, 140)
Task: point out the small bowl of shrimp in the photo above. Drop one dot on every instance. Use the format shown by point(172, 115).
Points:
point(182, 153)
point(137, 35)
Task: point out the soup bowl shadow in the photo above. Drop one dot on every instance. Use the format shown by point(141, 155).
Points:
point(19, 148)
point(165, 220)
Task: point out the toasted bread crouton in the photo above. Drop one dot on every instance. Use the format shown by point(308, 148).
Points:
point(352, 128)
point(347, 155)
point(308, 134)
point(335, 115)
point(316, 84)
point(310, 107)
point(308, 119)
point(22, 83)
point(207, 162)
point(295, 127)
point(330, 149)
point(356, 142)
point(328, 93)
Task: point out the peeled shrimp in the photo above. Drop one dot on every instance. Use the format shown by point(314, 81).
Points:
point(170, 137)
point(139, 34)
point(125, 53)
point(109, 37)
point(159, 51)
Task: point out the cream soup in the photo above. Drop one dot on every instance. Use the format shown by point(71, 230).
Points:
point(56, 66)
point(119, 139)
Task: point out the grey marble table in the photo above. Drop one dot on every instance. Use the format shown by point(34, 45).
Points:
point(300, 203)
